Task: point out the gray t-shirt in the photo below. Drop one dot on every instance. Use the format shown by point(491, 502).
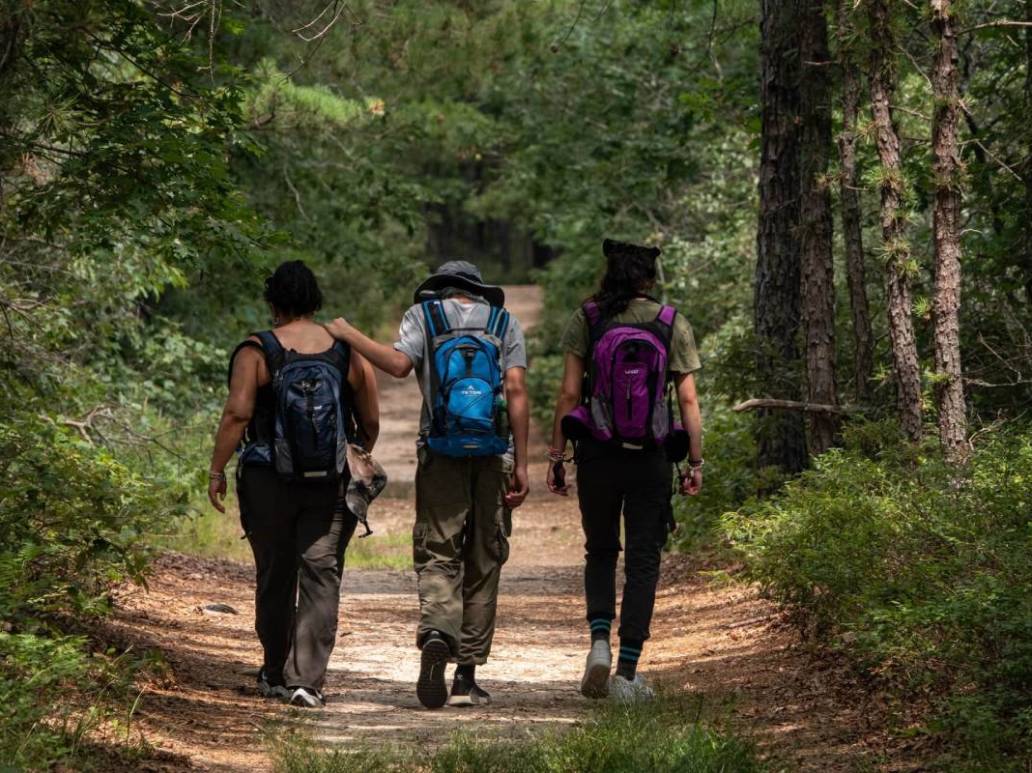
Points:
point(412, 342)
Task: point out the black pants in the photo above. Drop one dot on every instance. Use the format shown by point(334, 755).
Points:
point(638, 486)
point(298, 538)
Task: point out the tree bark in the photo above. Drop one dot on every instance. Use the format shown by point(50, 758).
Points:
point(849, 200)
point(781, 437)
point(893, 222)
point(1027, 172)
point(949, 385)
point(815, 221)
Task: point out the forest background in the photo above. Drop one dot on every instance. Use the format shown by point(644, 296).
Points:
point(158, 158)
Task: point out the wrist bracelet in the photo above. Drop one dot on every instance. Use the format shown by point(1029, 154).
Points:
point(555, 455)
point(213, 475)
point(695, 464)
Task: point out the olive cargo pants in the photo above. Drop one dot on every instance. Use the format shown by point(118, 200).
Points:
point(459, 544)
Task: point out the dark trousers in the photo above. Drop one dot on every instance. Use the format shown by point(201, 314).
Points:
point(638, 486)
point(298, 538)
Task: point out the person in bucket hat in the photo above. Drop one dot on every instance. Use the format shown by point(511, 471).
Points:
point(470, 359)
point(633, 351)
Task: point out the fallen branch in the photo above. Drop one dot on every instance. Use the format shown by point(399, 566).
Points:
point(791, 405)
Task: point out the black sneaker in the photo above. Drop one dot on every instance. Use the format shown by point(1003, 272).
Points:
point(466, 692)
point(430, 689)
point(270, 689)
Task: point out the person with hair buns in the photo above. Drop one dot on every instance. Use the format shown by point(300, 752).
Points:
point(626, 356)
point(298, 402)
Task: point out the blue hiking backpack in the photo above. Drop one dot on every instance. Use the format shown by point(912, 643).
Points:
point(468, 413)
point(313, 410)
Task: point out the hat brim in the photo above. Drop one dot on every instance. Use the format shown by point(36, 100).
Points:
point(491, 293)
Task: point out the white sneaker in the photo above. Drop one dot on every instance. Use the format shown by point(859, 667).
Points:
point(595, 683)
point(636, 690)
point(306, 698)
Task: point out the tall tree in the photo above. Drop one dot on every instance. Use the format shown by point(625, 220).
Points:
point(815, 221)
point(849, 202)
point(893, 220)
point(781, 437)
point(1027, 172)
point(949, 385)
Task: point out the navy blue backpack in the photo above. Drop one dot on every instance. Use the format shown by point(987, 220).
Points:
point(313, 410)
point(468, 407)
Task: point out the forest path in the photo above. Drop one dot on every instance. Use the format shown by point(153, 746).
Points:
point(717, 640)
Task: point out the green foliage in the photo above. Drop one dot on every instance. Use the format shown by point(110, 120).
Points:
point(54, 693)
point(919, 571)
point(658, 737)
point(730, 478)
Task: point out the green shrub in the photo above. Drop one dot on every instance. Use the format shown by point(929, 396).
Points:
point(920, 572)
point(730, 476)
point(53, 694)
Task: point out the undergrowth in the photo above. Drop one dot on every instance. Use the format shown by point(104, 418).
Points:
point(920, 573)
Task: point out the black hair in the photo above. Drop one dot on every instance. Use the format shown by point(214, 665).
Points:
point(293, 289)
point(630, 271)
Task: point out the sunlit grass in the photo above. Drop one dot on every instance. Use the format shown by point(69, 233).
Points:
point(380, 551)
point(216, 535)
point(663, 736)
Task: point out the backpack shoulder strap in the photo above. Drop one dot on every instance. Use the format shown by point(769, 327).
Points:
point(596, 323)
point(666, 316)
point(592, 313)
point(341, 353)
point(497, 323)
point(273, 349)
point(665, 319)
point(436, 320)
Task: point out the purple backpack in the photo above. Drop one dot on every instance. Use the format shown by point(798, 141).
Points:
point(626, 399)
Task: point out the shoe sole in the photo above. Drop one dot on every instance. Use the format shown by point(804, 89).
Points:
point(460, 701)
point(306, 703)
point(431, 689)
point(595, 683)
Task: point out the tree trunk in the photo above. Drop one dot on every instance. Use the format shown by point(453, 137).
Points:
point(781, 435)
point(893, 222)
point(1027, 229)
point(949, 385)
point(852, 219)
point(815, 221)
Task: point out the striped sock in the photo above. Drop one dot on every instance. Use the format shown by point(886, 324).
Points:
point(627, 665)
point(600, 628)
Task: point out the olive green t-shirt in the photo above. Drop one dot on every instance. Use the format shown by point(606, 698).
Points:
point(684, 357)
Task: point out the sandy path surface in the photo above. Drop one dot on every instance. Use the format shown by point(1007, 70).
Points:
point(716, 640)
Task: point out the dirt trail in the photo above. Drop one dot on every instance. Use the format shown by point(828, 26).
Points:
point(718, 641)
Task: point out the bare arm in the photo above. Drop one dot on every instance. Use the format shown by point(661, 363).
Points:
point(691, 417)
point(569, 397)
point(367, 398)
point(386, 358)
point(519, 420)
point(236, 414)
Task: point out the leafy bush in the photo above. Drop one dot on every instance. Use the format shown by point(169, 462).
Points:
point(920, 572)
point(730, 476)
